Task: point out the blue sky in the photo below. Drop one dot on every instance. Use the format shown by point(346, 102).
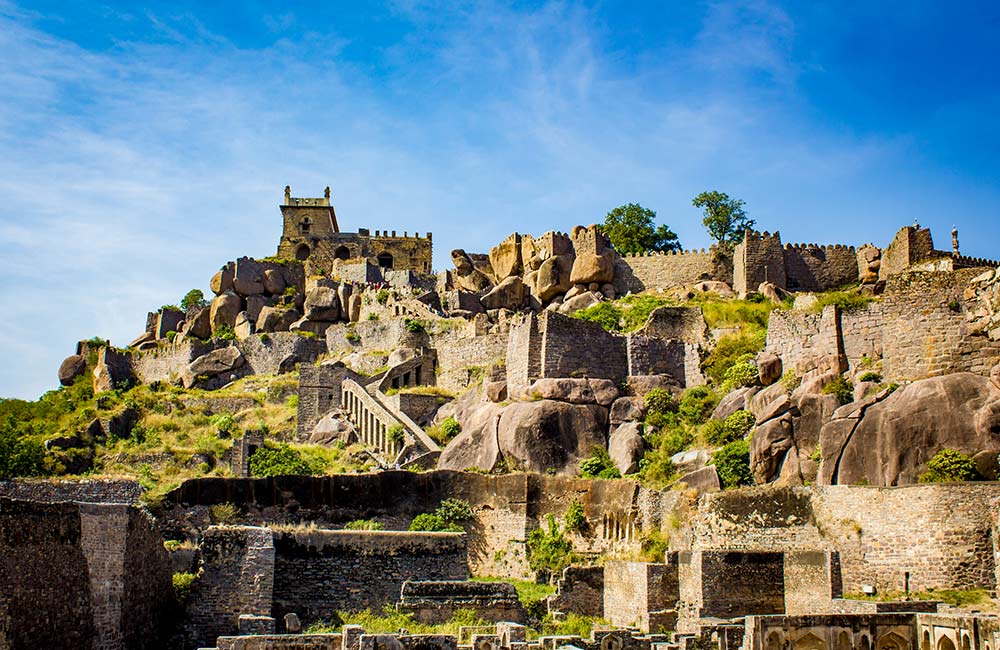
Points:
point(143, 146)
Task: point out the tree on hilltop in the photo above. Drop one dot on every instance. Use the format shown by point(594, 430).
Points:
point(632, 230)
point(193, 298)
point(725, 219)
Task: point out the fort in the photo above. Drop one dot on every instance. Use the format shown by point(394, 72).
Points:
point(732, 448)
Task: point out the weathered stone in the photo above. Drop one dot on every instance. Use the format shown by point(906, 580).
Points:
point(505, 257)
point(467, 276)
point(889, 439)
point(509, 294)
point(344, 292)
point(254, 305)
point(548, 435)
point(567, 389)
point(703, 480)
point(200, 324)
point(145, 337)
point(772, 292)
point(774, 408)
point(806, 301)
point(578, 302)
point(642, 384)
point(317, 327)
point(626, 447)
point(476, 446)
point(605, 391)
point(72, 367)
point(691, 460)
point(113, 370)
point(768, 367)
point(244, 326)
point(168, 320)
point(496, 391)
point(222, 281)
point(553, 277)
point(733, 401)
point(273, 281)
point(330, 429)
point(217, 362)
point(322, 304)
point(591, 267)
point(292, 623)
point(248, 277)
point(354, 308)
point(224, 310)
point(995, 375)
point(628, 409)
point(770, 443)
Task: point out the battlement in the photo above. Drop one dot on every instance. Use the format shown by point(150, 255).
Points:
point(674, 253)
point(323, 202)
point(822, 247)
point(764, 237)
point(964, 261)
point(387, 234)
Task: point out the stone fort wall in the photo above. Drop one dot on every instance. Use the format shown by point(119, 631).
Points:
point(665, 271)
point(941, 534)
point(85, 490)
point(82, 574)
point(918, 329)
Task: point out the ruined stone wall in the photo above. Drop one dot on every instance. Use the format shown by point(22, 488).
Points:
point(85, 490)
point(82, 575)
point(171, 360)
point(640, 593)
point(911, 244)
point(524, 358)
point(738, 584)
point(810, 267)
point(926, 333)
point(812, 580)
point(862, 332)
point(665, 271)
point(577, 348)
point(842, 631)
point(281, 350)
point(236, 577)
point(317, 573)
point(942, 534)
point(758, 258)
point(652, 356)
point(44, 582)
point(800, 338)
point(410, 253)
point(319, 392)
point(580, 591)
point(462, 352)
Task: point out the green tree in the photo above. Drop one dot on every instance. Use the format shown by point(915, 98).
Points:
point(193, 298)
point(950, 465)
point(631, 230)
point(725, 219)
point(278, 460)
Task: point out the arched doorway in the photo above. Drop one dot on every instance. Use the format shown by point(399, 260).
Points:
point(944, 643)
point(809, 642)
point(925, 643)
point(342, 253)
point(385, 260)
point(302, 252)
point(892, 641)
point(844, 641)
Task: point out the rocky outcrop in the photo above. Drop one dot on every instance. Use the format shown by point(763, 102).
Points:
point(505, 257)
point(225, 308)
point(509, 294)
point(72, 367)
point(626, 447)
point(217, 362)
point(467, 276)
point(548, 435)
point(322, 304)
point(553, 277)
point(575, 391)
point(888, 438)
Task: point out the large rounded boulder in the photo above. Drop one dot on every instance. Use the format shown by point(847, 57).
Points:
point(548, 435)
point(888, 438)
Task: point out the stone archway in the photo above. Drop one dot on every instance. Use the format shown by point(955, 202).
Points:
point(809, 642)
point(302, 252)
point(892, 641)
point(773, 641)
point(342, 253)
point(385, 260)
point(925, 642)
point(944, 643)
point(844, 641)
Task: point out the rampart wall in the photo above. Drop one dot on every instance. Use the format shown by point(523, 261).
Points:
point(811, 267)
point(82, 575)
point(665, 271)
point(941, 534)
point(85, 490)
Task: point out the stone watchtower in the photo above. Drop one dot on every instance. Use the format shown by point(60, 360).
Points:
point(306, 224)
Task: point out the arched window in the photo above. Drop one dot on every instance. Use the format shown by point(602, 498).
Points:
point(944, 643)
point(302, 252)
point(385, 260)
point(342, 253)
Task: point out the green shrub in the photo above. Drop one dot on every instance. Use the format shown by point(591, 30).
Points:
point(574, 518)
point(790, 381)
point(841, 388)
point(395, 434)
point(696, 404)
point(733, 428)
point(871, 376)
point(656, 469)
point(352, 336)
point(20, 455)
point(292, 401)
point(265, 338)
point(598, 465)
point(382, 296)
point(660, 401)
point(636, 310)
point(740, 374)
point(171, 335)
point(278, 460)
point(549, 552)
point(949, 465)
point(729, 350)
point(193, 298)
point(846, 300)
point(432, 522)
point(653, 546)
point(372, 316)
point(224, 424)
point(451, 427)
point(413, 325)
point(606, 314)
point(182, 585)
point(224, 333)
point(732, 462)
point(676, 439)
point(454, 511)
point(363, 524)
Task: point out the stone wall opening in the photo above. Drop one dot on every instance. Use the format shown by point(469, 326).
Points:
point(385, 260)
point(302, 252)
